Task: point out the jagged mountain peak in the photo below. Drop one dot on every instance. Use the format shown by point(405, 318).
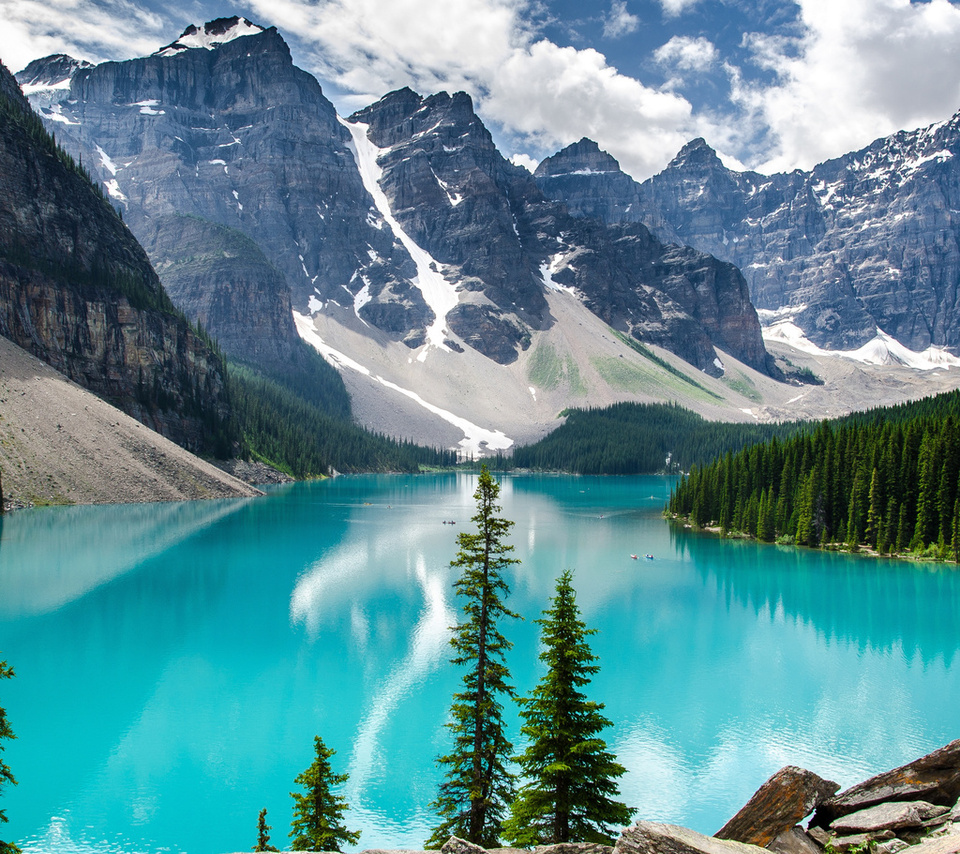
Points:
point(403, 115)
point(696, 153)
point(211, 35)
point(583, 157)
point(50, 71)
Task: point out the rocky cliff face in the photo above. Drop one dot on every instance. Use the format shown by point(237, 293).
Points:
point(220, 278)
point(496, 235)
point(864, 241)
point(78, 291)
point(405, 222)
point(222, 126)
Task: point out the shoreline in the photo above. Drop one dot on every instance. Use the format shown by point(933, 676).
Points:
point(862, 550)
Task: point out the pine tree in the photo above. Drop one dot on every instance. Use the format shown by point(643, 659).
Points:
point(6, 776)
point(263, 833)
point(478, 787)
point(572, 776)
point(317, 812)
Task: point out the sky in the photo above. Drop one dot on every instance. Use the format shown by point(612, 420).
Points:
point(772, 86)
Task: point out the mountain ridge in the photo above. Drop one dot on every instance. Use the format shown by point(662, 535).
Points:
point(861, 242)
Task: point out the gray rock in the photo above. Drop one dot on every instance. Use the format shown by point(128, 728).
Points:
point(647, 837)
point(939, 845)
point(819, 835)
point(891, 846)
point(574, 848)
point(779, 804)
point(858, 840)
point(456, 845)
point(935, 778)
point(795, 841)
point(889, 816)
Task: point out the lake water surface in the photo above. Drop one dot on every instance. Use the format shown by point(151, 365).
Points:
point(174, 661)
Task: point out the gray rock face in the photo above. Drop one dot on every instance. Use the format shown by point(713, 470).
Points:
point(867, 240)
point(220, 125)
point(77, 291)
point(591, 183)
point(221, 279)
point(237, 135)
point(794, 841)
point(490, 225)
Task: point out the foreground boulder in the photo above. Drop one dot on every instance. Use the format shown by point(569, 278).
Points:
point(648, 837)
point(934, 778)
point(777, 806)
point(891, 816)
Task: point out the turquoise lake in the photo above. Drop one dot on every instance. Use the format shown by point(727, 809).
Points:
point(174, 661)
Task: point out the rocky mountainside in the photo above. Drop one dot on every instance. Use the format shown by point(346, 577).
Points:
point(78, 291)
point(500, 245)
point(866, 241)
point(405, 222)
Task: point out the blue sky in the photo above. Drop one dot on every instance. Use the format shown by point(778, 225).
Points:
point(771, 85)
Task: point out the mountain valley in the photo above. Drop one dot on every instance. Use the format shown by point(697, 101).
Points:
point(466, 302)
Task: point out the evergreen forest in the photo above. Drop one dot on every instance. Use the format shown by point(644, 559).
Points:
point(640, 438)
point(886, 479)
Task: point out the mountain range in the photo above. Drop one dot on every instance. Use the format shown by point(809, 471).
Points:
point(468, 301)
point(860, 246)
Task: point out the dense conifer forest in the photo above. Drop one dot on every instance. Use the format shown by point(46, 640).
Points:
point(886, 479)
point(639, 438)
point(295, 434)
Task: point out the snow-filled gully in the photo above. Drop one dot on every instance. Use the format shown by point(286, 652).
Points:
point(437, 292)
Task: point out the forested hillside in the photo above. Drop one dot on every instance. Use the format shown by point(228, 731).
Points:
point(885, 479)
point(295, 432)
point(639, 438)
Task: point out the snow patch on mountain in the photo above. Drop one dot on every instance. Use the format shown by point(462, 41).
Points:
point(437, 292)
point(476, 440)
point(880, 350)
point(211, 35)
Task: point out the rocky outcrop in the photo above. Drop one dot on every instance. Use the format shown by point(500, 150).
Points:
point(778, 805)
point(889, 828)
point(865, 241)
point(77, 291)
point(934, 778)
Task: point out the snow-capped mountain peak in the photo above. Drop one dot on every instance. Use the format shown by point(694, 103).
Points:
point(211, 35)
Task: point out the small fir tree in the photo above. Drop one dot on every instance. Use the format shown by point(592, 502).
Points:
point(570, 796)
point(263, 833)
point(6, 776)
point(478, 788)
point(318, 812)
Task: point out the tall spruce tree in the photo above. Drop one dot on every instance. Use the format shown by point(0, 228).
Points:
point(318, 812)
point(570, 796)
point(6, 776)
point(478, 787)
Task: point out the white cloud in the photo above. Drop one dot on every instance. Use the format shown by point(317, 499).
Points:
point(542, 94)
point(686, 53)
point(93, 31)
point(619, 22)
point(672, 8)
point(861, 70)
point(526, 161)
point(565, 94)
